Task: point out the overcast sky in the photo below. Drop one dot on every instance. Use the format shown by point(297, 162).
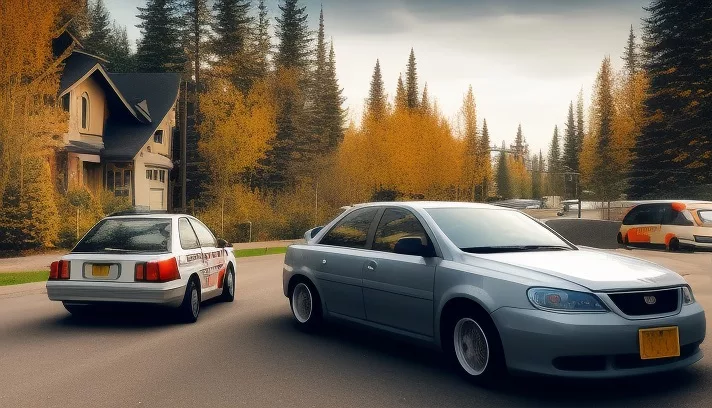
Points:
point(525, 59)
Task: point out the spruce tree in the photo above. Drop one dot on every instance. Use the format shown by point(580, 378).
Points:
point(630, 55)
point(318, 98)
point(554, 161)
point(119, 54)
point(98, 39)
point(425, 101)
point(376, 104)
point(519, 144)
point(485, 160)
point(196, 36)
point(160, 48)
point(231, 26)
point(401, 94)
point(294, 49)
point(80, 22)
point(334, 113)
point(671, 156)
point(570, 157)
point(504, 185)
point(263, 41)
point(579, 125)
point(606, 175)
point(411, 81)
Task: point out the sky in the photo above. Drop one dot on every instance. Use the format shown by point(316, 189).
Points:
point(525, 59)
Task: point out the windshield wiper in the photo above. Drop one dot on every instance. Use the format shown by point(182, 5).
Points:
point(514, 248)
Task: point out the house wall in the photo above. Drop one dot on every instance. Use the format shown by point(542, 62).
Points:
point(97, 112)
point(143, 185)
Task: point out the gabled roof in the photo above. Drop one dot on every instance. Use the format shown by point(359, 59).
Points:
point(143, 91)
point(76, 67)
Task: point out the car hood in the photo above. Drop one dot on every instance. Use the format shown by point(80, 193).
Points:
point(596, 270)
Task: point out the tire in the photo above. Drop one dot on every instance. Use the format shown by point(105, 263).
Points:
point(189, 309)
point(473, 346)
point(620, 239)
point(674, 245)
point(306, 306)
point(78, 310)
point(228, 293)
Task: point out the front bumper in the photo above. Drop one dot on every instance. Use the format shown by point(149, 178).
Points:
point(591, 345)
point(169, 293)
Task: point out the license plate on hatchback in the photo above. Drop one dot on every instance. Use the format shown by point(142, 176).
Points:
point(100, 271)
point(659, 342)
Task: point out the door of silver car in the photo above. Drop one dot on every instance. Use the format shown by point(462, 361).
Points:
point(398, 287)
point(340, 259)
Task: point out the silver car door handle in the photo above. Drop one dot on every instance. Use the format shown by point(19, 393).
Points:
point(323, 261)
point(370, 267)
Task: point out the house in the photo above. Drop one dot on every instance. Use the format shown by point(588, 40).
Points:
point(120, 128)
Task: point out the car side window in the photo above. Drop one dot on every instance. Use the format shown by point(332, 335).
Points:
point(206, 238)
point(645, 214)
point(188, 239)
point(673, 217)
point(632, 215)
point(352, 231)
point(394, 225)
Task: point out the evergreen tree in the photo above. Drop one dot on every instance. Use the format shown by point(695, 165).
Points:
point(196, 36)
point(263, 41)
point(119, 54)
point(401, 94)
point(519, 144)
point(471, 169)
point(570, 158)
point(160, 48)
point(554, 161)
point(98, 38)
point(504, 188)
point(411, 81)
point(334, 113)
point(80, 22)
point(606, 175)
point(425, 101)
point(318, 98)
point(376, 104)
point(579, 127)
point(672, 153)
point(294, 39)
point(234, 56)
point(630, 55)
point(485, 162)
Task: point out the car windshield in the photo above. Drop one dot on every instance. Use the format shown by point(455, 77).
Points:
point(117, 235)
point(485, 230)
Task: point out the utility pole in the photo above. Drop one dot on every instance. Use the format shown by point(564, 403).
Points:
point(183, 147)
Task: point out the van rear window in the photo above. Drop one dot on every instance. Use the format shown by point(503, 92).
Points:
point(121, 235)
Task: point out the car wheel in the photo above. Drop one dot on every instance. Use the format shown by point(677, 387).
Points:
point(306, 306)
point(674, 245)
point(620, 239)
point(474, 347)
point(78, 310)
point(189, 309)
point(228, 293)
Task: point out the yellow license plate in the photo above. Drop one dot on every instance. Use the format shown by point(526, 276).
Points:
point(660, 342)
point(101, 271)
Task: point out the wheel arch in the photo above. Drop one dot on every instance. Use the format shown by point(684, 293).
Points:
point(297, 278)
point(471, 297)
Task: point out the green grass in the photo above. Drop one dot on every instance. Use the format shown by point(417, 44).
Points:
point(244, 253)
point(16, 278)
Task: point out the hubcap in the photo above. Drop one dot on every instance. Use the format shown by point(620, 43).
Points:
point(471, 346)
point(194, 302)
point(231, 284)
point(302, 303)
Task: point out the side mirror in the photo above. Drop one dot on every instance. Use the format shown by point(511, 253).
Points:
point(222, 243)
point(410, 246)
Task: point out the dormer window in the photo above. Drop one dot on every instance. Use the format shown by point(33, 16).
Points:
point(65, 102)
point(85, 111)
point(158, 137)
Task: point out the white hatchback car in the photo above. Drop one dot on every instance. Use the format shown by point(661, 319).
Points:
point(164, 259)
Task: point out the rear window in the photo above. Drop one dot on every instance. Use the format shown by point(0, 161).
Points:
point(117, 235)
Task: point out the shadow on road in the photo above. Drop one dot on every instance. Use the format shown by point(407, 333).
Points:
point(412, 360)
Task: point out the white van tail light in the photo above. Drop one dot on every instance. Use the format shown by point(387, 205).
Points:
point(157, 271)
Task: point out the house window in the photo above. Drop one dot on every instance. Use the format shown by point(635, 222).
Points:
point(149, 175)
point(118, 180)
point(65, 102)
point(162, 176)
point(158, 137)
point(156, 175)
point(85, 111)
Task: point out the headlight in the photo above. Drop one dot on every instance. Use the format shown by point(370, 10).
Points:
point(565, 300)
point(687, 298)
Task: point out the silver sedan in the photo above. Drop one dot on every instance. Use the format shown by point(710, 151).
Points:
point(496, 290)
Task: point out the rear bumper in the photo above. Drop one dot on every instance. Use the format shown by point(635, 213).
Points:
point(591, 346)
point(169, 294)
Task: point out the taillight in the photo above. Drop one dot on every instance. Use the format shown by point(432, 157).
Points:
point(157, 271)
point(59, 270)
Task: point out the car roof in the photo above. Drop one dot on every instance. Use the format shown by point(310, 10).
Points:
point(148, 215)
point(688, 203)
point(424, 205)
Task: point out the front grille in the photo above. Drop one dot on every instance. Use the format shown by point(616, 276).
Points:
point(647, 303)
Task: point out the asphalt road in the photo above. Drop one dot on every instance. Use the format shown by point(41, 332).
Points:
point(248, 353)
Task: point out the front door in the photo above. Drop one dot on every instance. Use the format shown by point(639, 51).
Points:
point(214, 257)
point(398, 289)
point(339, 263)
